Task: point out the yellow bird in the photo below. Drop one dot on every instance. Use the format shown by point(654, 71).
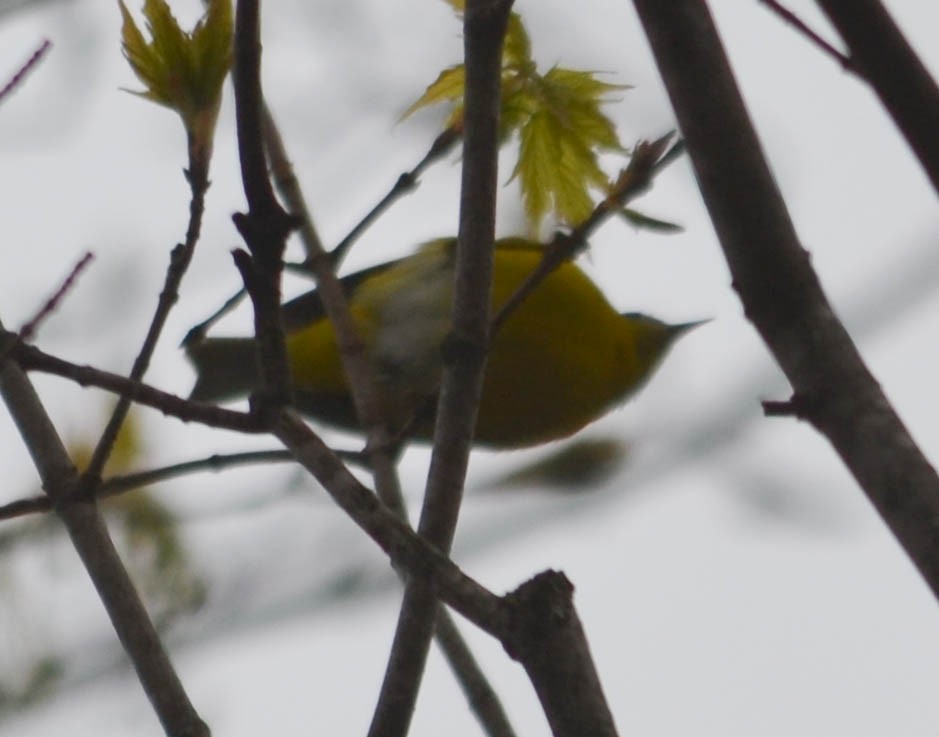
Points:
point(560, 361)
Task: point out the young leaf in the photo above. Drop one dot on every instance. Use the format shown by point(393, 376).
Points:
point(182, 71)
point(448, 87)
point(560, 124)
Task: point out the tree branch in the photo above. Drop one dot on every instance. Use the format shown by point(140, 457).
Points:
point(483, 32)
point(549, 641)
point(180, 258)
point(32, 359)
point(883, 57)
point(17, 79)
point(89, 535)
point(802, 27)
point(265, 226)
point(780, 292)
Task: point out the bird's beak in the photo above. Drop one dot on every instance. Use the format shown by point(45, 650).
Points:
point(684, 327)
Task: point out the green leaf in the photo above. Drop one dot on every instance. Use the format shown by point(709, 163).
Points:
point(558, 118)
point(448, 87)
point(578, 95)
point(182, 71)
point(557, 165)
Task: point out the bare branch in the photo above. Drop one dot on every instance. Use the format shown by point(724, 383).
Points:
point(33, 359)
point(20, 75)
point(180, 259)
point(549, 641)
point(28, 330)
point(483, 32)
point(884, 58)
point(802, 27)
point(89, 535)
point(779, 290)
point(403, 185)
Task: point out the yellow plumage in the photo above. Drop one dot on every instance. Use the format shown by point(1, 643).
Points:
point(562, 360)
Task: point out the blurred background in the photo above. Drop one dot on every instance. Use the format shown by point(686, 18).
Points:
point(731, 577)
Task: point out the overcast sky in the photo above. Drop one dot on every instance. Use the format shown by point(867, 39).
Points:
point(731, 577)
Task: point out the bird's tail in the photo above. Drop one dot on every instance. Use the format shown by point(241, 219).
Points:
point(226, 368)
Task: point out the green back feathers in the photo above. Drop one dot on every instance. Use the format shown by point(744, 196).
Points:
point(561, 360)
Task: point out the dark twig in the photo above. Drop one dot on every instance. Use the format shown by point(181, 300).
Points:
point(479, 693)
point(288, 187)
point(117, 485)
point(28, 330)
point(180, 258)
point(802, 27)
point(902, 82)
point(404, 184)
point(33, 359)
point(647, 160)
point(20, 75)
point(265, 226)
point(549, 641)
point(198, 332)
point(779, 290)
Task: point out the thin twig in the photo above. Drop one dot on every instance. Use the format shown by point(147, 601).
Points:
point(33, 359)
point(901, 81)
point(648, 159)
point(28, 330)
point(289, 189)
point(180, 258)
point(479, 693)
point(404, 184)
point(20, 75)
point(287, 183)
point(117, 485)
point(802, 27)
point(407, 550)
point(31, 326)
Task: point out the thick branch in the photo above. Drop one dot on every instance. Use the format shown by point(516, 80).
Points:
point(779, 290)
point(549, 641)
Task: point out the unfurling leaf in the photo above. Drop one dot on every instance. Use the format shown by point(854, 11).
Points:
point(183, 71)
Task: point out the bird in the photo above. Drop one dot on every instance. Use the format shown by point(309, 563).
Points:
point(561, 360)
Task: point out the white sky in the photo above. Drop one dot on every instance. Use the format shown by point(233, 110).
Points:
point(731, 577)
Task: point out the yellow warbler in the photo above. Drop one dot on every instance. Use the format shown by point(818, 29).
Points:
point(560, 361)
